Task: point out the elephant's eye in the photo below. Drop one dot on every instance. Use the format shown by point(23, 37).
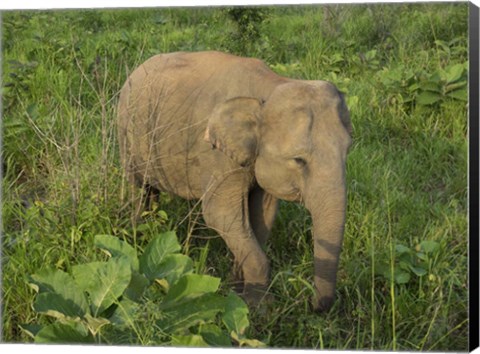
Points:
point(300, 161)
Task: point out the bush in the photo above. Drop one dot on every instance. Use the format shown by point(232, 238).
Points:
point(102, 301)
point(248, 21)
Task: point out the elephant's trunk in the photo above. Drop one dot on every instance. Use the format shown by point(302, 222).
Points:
point(327, 207)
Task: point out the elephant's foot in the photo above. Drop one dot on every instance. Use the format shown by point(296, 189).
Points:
point(237, 275)
point(256, 294)
point(237, 286)
point(322, 304)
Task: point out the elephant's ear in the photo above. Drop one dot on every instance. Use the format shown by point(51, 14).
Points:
point(233, 128)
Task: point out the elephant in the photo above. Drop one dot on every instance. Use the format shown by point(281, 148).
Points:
point(229, 132)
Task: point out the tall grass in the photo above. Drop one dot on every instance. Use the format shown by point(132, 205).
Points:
point(406, 172)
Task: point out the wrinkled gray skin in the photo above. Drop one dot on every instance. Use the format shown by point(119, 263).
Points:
point(229, 131)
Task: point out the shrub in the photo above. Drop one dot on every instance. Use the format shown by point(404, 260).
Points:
point(103, 301)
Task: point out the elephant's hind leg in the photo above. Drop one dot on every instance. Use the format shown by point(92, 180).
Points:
point(142, 195)
point(262, 210)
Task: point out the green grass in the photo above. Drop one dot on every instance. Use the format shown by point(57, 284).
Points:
point(406, 171)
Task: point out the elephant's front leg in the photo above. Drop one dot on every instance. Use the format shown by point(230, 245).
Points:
point(225, 209)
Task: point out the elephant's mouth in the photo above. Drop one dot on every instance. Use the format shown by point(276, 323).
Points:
point(291, 195)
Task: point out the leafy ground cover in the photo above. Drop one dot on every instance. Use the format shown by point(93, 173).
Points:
point(119, 293)
point(403, 271)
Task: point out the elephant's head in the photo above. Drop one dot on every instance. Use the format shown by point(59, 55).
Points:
point(297, 142)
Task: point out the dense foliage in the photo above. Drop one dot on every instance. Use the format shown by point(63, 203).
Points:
point(403, 271)
point(149, 299)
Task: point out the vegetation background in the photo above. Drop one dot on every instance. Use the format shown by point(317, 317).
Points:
point(403, 272)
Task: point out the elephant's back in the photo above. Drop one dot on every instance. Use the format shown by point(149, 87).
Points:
point(163, 111)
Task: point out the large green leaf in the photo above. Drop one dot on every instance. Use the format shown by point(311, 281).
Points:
point(173, 267)
point(117, 248)
point(454, 73)
point(402, 277)
point(429, 246)
point(214, 336)
point(430, 86)
point(191, 340)
point(31, 329)
point(190, 285)
point(422, 256)
point(400, 249)
point(419, 271)
point(83, 274)
point(235, 317)
point(438, 76)
point(64, 332)
point(189, 312)
point(105, 282)
point(94, 324)
point(244, 342)
point(426, 98)
point(155, 253)
point(456, 86)
point(460, 94)
point(55, 305)
point(71, 299)
point(136, 287)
